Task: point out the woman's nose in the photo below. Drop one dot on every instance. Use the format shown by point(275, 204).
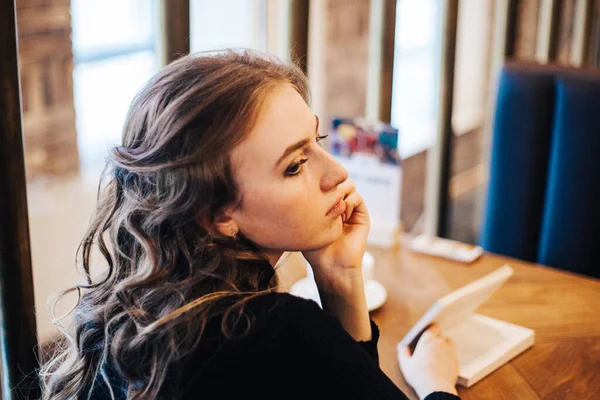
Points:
point(334, 173)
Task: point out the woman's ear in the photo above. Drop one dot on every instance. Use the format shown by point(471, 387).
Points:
point(224, 224)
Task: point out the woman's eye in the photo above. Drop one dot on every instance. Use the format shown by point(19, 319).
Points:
point(295, 169)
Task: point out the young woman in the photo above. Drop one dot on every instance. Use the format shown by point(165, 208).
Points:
point(220, 172)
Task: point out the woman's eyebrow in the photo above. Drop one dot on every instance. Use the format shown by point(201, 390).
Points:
point(297, 145)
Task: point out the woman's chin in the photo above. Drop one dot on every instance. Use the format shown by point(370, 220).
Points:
point(336, 230)
point(327, 235)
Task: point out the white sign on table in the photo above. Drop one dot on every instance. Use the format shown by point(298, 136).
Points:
point(368, 150)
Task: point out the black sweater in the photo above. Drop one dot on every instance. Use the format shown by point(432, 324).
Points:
point(294, 351)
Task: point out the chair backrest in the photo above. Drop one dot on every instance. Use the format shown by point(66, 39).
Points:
point(570, 235)
point(519, 162)
point(544, 180)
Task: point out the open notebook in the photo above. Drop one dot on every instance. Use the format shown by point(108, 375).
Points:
point(483, 344)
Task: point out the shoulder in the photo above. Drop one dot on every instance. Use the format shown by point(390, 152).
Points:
point(278, 318)
point(272, 323)
point(284, 320)
point(278, 301)
point(287, 310)
point(282, 299)
point(262, 317)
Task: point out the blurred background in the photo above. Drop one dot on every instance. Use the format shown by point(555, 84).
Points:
point(431, 68)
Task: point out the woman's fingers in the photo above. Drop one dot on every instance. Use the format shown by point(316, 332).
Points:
point(348, 188)
point(350, 201)
point(354, 204)
point(356, 210)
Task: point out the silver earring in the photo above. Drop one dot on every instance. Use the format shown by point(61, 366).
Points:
point(234, 234)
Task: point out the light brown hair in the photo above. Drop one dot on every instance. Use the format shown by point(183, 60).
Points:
point(156, 203)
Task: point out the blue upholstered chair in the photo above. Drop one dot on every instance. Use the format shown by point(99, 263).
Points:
point(519, 163)
point(570, 235)
point(544, 190)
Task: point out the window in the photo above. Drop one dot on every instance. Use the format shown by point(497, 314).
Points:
point(114, 44)
point(416, 76)
point(228, 23)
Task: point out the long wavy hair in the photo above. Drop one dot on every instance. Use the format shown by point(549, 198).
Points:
point(167, 271)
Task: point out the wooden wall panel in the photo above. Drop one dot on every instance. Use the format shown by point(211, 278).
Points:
point(347, 58)
point(526, 29)
point(46, 68)
point(565, 31)
point(593, 56)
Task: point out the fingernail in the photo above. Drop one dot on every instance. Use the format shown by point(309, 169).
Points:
point(344, 217)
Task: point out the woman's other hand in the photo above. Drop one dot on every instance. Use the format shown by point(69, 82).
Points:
point(433, 367)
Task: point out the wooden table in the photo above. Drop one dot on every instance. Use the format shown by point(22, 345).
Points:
point(562, 308)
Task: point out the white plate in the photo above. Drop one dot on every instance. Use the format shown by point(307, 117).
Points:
point(307, 289)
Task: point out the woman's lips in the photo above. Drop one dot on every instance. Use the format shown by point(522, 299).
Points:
point(337, 210)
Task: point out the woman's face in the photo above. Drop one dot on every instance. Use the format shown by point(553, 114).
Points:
point(287, 181)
